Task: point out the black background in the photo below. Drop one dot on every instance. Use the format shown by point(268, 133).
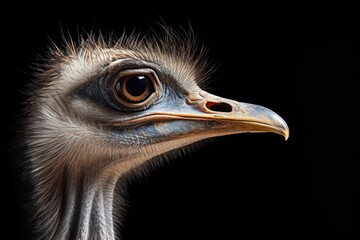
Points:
point(300, 61)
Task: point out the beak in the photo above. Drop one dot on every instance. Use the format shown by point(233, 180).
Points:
point(220, 116)
point(240, 117)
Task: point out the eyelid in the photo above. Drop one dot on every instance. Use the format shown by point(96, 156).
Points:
point(131, 63)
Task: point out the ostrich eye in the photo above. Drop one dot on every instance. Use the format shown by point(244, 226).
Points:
point(135, 88)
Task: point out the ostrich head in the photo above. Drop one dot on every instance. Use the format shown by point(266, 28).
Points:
point(99, 109)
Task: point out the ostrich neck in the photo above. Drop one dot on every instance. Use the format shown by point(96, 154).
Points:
point(90, 212)
point(74, 194)
point(88, 207)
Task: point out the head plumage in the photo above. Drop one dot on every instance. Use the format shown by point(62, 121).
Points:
point(175, 49)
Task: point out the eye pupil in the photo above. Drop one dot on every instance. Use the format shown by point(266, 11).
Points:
point(137, 85)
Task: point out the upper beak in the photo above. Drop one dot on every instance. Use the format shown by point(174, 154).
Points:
point(222, 116)
point(241, 117)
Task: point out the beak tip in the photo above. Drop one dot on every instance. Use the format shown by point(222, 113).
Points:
point(286, 135)
point(285, 131)
point(281, 125)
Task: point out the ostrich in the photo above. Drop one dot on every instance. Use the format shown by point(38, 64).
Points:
point(100, 108)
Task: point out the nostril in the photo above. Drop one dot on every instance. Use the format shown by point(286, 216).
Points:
point(219, 106)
